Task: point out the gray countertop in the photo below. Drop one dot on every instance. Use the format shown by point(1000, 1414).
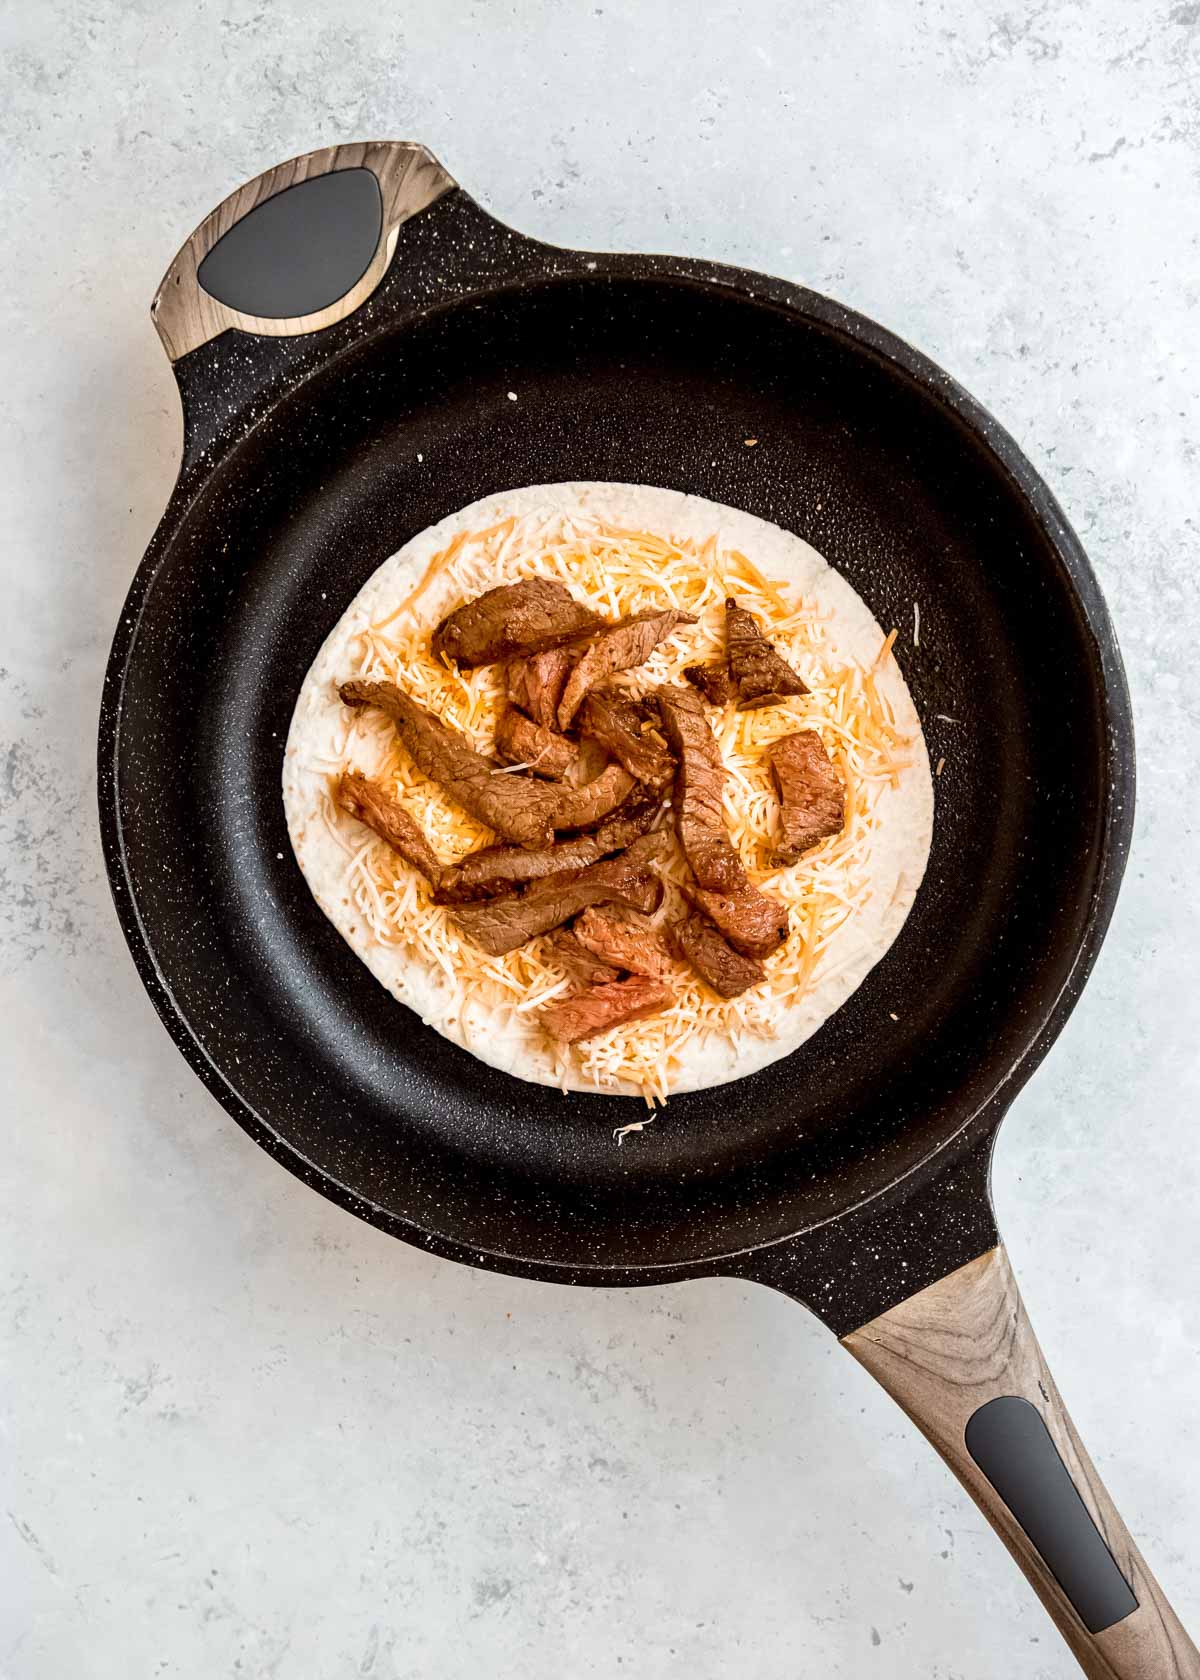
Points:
point(244, 1434)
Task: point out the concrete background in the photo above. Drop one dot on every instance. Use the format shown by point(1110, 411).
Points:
point(245, 1434)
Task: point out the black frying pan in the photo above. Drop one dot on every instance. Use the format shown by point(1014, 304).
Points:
point(344, 358)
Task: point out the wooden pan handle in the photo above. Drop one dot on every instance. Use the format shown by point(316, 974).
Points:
point(408, 178)
point(962, 1360)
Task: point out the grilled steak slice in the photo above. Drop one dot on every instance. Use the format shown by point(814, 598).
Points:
point(761, 676)
point(754, 924)
point(615, 722)
point(572, 1019)
point(812, 800)
point(516, 618)
point(578, 962)
point(547, 753)
point(652, 849)
point(713, 681)
point(627, 941)
point(699, 785)
point(514, 806)
point(618, 647)
point(386, 817)
point(517, 808)
point(714, 959)
point(536, 684)
point(498, 925)
point(495, 869)
point(584, 807)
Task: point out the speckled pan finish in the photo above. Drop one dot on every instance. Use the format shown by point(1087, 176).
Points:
point(854, 1172)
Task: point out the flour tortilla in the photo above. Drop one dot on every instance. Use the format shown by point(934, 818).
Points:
point(900, 848)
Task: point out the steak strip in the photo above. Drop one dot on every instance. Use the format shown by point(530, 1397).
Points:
point(580, 964)
point(509, 804)
point(517, 808)
point(583, 807)
point(753, 923)
point(547, 753)
point(387, 817)
point(762, 676)
point(572, 1019)
point(699, 787)
point(713, 681)
point(516, 618)
point(812, 800)
point(498, 925)
point(615, 722)
point(494, 869)
point(627, 941)
point(618, 647)
point(536, 684)
point(714, 959)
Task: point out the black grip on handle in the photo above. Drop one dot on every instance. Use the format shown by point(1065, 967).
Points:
point(300, 251)
point(1010, 1443)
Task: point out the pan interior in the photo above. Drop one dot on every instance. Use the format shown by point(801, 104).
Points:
point(656, 381)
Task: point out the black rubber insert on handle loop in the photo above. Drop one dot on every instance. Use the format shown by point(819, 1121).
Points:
point(299, 252)
point(1010, 1443)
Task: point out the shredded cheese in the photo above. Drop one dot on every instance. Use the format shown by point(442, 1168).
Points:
point(617, 572)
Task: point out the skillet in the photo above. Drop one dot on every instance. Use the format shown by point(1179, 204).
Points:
point(345, 331)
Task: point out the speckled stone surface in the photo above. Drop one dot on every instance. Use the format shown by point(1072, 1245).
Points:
point(245, 1434)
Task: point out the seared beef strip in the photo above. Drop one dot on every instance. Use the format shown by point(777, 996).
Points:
point(576, 960)
point(627, 941)
point(812, 800)
point(516, 618)
point(498, 925)
point(386, 817)
point(495, 869)
point(761, 676)
point(713, 681)
point(547, 753)
point(517, 808)
point(583, 807)
point(536, 684)
point(512, 805)
point(714, 959)
point(615, 721)
point(699, 785)
point(754, 924)
point(572, 1019)
point(618, 647)
point(654, 847)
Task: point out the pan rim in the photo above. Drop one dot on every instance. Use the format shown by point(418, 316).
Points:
point(1114, 826)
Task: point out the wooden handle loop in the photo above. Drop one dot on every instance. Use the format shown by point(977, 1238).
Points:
point(409, 178)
